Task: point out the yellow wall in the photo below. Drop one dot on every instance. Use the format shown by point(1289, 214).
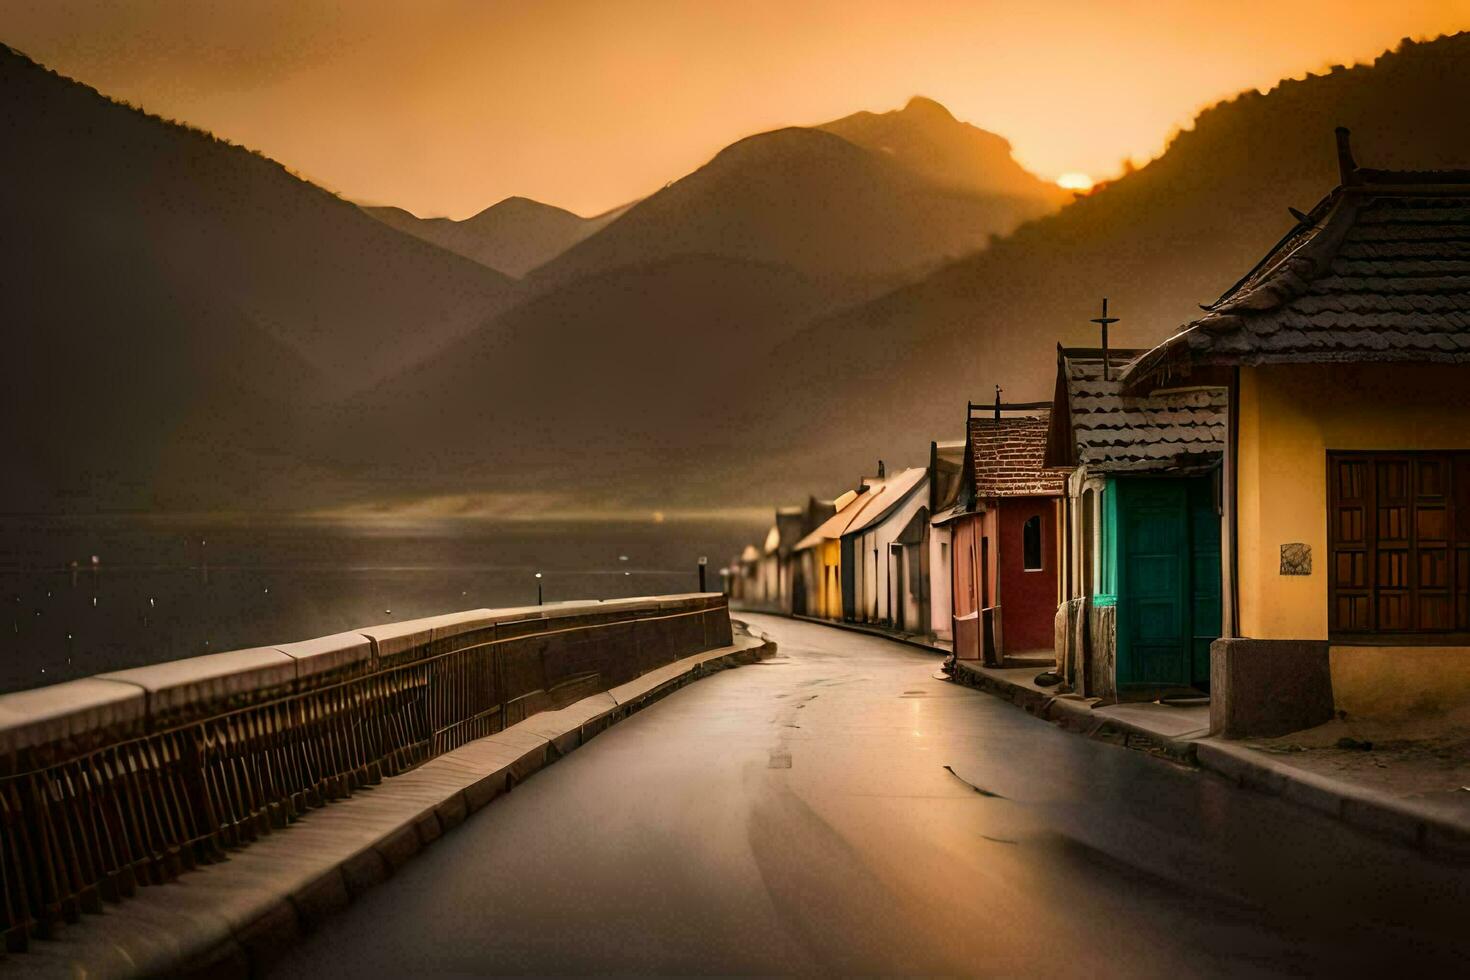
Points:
point(829, 579)
point(1387, 682)
point(1290, 416)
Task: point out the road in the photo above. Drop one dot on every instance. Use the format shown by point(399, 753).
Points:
point(797, 816)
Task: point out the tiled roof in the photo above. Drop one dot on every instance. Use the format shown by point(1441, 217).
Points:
point(896, 490)
point(1378, 271)
point(1007, 456)
point(848, 507)
point(1098, 427)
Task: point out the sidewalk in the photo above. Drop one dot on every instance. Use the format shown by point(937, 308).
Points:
point(1409, 786)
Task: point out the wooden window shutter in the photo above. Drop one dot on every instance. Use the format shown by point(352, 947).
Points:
point(1350, 584)
point(1398, 538)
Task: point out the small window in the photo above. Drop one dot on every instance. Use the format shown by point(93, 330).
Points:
point(1031, 544)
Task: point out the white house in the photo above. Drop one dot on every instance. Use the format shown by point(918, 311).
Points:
point(946, 474)
point(889, 554)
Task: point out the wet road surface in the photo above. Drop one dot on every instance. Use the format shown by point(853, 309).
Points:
point(797, 816)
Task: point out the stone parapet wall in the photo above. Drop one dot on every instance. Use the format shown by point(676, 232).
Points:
point(132, 776)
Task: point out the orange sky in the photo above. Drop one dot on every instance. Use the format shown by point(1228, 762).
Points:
point(445, 106)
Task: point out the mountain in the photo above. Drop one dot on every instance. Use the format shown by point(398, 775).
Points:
point(925, 139)
point(819, 203)
point(513, 237)
point(593, 389)
point(1158, 241)
point(173, 302)
point(883, 377)
point(645, 328)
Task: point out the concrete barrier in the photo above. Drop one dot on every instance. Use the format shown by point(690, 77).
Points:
point(135, 775)
point(1268, 687)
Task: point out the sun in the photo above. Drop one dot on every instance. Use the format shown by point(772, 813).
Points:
point(1075, 182)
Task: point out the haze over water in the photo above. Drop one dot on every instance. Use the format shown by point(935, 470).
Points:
point(167, 588)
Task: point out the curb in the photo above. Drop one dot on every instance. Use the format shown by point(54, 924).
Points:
point(1360, 807)
point(1077, 716)
point(267, 906)
point(1364, 809)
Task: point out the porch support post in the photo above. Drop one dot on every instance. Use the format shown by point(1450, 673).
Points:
point(1230, 607)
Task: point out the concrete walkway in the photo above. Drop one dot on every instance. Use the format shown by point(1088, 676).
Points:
point(840, 809)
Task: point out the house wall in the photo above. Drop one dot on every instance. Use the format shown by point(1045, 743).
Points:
point(1028, 599)
point(829, 587)
point(965, 534)
point(768, 581)
point(940, 578)
point(877, 578)
point(971, 591)
point(865, 570)
point(1289, 417)
point(1082, 548)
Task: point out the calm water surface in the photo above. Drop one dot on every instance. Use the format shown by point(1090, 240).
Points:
point(165, 588)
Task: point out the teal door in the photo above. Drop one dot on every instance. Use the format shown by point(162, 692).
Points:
point(1204, 583)
point(1168, 554)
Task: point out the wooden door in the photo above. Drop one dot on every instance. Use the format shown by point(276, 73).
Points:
point(1206, 605)
point(1169, 606)
point(1153, 575)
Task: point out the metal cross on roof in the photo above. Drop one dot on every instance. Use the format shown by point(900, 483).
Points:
point(1103, 322)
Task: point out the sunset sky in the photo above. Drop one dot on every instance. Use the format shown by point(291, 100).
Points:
point(446, 106)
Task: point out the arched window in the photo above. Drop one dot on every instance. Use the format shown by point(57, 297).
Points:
point(1031, 544)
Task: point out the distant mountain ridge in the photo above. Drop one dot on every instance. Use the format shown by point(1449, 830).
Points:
point(828, 206)
point(513, 236)
point(882, 377)
point(200, 329)
point(690, 292)
point(1159, 241)
point(177, 300)
point(926, 139)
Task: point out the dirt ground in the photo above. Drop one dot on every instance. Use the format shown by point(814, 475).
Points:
point(1424, 758)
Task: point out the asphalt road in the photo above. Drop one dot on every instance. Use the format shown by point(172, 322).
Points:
point(798, 817)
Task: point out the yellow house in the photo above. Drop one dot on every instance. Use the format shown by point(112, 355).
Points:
point(1346, 530)
point(820, 555)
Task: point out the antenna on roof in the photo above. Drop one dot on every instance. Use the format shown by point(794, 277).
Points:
point(997, 403)
point(1347, 168)
point(1103, 322)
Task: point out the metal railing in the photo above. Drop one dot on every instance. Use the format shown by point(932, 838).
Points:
point(131, 778)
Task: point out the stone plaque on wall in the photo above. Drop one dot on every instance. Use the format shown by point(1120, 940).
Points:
point(1296, 559)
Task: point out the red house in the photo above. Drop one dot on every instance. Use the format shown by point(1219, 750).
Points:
point(1006, 537)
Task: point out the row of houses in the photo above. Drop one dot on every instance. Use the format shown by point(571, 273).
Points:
point(1271, 507)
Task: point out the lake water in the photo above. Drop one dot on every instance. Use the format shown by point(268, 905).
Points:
point(166, 588)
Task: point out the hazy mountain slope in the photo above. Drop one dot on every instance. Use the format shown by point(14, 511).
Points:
point(803, 198)
point(652, 323)
point(513, 236)
point(1174, 234)
point(171, 399)
point(924, 138)
point(247, 238)
point(589, 388)
point(781, 417)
